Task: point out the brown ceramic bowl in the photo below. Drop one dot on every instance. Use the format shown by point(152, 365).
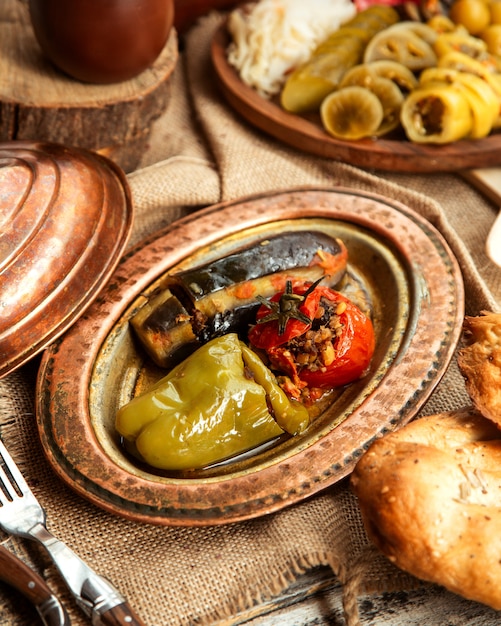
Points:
point(188, 11)
point(65, 218)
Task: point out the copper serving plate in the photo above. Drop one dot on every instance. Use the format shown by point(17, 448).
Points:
point(306, 132)
point(65, 218)
point(416, 289)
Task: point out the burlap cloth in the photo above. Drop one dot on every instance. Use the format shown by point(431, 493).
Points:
point(202, 153)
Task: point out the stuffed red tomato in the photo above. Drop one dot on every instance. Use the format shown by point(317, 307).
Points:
point(313, 336)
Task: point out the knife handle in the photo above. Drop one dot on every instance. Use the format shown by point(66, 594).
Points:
point(16, 573)
point(121, 615)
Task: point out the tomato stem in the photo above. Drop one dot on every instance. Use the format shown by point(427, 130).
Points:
point(287, 307)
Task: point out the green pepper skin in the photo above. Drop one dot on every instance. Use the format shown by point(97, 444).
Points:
point(208, 409)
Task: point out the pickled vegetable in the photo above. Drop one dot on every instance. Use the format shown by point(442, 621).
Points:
point(484, 106)
point(353, 112)
point(443, 24)
point(474, 15)
point(423, 31)
point(448, 42)
point(309, 84)
point(342, 37)
point(220, 402)
point(495, 11)
point(388, 94)
point(492, 38)
point(365, 73)
point(484, 103)
point(405, 43)
point(485, 69)
point(376, 77)
point(391, 99)
point(436, 114)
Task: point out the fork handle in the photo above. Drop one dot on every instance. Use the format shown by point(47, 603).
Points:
point(95, 595)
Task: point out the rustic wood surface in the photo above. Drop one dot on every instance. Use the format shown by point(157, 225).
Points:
point(486, 180)
point(316, 600)
point(38, 102)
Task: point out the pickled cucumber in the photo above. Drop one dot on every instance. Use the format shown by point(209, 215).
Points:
point(351, 113)
point(311, 82)
point(365, 73)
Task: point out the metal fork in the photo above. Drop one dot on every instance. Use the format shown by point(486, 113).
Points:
point(22, 515)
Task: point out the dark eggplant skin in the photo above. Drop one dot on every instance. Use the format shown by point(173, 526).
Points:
point(272, 255)
point(236, 320)
point(220, 297)
point(164, 327)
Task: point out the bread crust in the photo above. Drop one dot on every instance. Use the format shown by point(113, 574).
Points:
point(430, 498)
point(480, 363)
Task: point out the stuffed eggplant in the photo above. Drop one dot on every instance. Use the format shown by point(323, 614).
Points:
point(199, 304)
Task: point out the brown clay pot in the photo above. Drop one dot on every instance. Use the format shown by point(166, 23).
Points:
point(188, 11)
point(102, 41)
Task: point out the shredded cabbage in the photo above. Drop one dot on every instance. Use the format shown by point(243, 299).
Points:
point(271, 37)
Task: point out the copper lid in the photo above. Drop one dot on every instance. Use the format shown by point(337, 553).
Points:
point(65, 218)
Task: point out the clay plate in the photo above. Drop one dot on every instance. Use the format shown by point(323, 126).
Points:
point(417, 293)
point(307, 134)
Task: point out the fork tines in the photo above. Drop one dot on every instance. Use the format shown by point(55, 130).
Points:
point(12, 484)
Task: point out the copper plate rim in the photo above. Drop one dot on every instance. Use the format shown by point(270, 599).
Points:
point(307, 135)
point(67, 368)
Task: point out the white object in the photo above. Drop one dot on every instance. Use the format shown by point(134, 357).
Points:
point(488, 181)
point(271, 37)
point(493, 244)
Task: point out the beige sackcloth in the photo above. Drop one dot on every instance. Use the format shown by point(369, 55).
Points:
point(201, 153)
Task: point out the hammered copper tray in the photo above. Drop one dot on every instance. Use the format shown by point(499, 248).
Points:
point(307, 134)
point(417, 293)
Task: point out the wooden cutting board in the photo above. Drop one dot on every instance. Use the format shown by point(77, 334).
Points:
point(488, 181)
point(38, 102)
